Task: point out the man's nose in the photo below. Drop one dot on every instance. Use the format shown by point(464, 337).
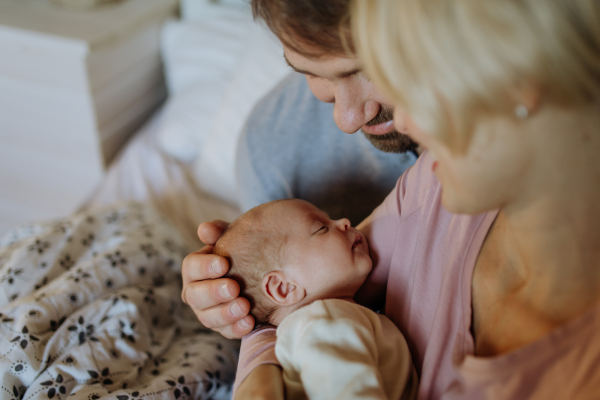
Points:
point(351, 111)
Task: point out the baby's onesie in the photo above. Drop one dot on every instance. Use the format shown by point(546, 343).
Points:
point(335, 349)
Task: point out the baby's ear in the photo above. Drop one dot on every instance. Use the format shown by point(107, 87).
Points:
point(280, 289)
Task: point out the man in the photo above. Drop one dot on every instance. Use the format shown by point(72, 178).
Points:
point(310, 33)
point(292, 148)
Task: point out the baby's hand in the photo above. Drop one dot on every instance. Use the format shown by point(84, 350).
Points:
point(214, 299)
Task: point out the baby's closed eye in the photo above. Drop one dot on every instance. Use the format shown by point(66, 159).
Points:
point(323, 229)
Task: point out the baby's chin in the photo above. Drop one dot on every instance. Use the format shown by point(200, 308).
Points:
point(366, 271)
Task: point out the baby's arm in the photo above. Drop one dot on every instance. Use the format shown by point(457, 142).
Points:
point(332, 350)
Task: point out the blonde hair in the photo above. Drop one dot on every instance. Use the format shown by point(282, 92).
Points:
point(448, 61)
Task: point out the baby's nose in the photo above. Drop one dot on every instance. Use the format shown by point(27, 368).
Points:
point(343, 224)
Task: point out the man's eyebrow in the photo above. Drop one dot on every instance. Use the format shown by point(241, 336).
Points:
point(300, 71)
point(344, 74)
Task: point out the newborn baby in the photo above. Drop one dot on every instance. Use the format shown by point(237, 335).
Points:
point(300, 271)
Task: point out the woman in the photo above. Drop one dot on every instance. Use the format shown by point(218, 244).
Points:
point(498, 290)
point(505, 95)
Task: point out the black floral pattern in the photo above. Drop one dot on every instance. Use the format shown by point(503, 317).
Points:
point(17, 393)
point(88, 240)
point(105, 309)
point(157, 362)
point(5, 318)
point(112, 217)
point(132, 396)
point(24, 338)
point(116, 259)
point(170, 246)
point(67, 262)
point(39, 246)
point(78, 275)
point(158, 280)
point(147, 229)
point(102, 377)
point(55, 386)
point(70, 360)
point(73, 298)
point(62, 227)
point(11, 275)
point(18, 368)
point(120, 297)
point(127, 332)
point(149, 250)
point(149, 296)
point(41, 284)
point(54, 325)
point(84, 332)
point(179, 387)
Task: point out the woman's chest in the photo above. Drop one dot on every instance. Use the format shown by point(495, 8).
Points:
point(502, 316)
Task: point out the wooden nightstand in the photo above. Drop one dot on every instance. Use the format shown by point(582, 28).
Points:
point(74, 85)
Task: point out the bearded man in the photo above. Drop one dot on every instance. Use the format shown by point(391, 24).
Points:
point(292, 147)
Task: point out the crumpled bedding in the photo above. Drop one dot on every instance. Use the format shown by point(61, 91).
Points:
point(90, 307)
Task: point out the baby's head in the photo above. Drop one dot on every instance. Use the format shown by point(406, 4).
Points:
point(288, 253)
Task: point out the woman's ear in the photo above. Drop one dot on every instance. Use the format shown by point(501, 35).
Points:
point(282, 290)
point(527, 97)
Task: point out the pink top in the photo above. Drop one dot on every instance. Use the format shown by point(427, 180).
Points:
point(424, 257)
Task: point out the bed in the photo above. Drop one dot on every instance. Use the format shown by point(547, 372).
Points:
point(90, 305)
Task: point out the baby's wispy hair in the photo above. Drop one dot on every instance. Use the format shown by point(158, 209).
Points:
point(253, 246)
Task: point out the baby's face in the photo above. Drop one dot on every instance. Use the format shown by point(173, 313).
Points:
point(330, 259)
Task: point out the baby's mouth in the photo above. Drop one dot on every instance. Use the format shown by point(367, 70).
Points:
point(357, 241)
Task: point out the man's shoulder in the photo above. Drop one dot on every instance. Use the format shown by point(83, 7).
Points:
point(289, 113)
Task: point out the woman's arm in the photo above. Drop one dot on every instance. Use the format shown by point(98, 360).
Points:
point(265, 382)
point(257, 350)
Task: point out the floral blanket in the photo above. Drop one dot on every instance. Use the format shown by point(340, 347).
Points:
point(90, 307)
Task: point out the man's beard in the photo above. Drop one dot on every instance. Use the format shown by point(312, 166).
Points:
point(392, 142)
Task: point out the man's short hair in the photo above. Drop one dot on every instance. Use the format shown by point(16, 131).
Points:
point(321, 24)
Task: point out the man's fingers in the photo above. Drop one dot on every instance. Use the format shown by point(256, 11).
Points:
point(201, 295)
point(220, 223)
point(209, 232)
point(239, 329)
point(199, 266)
point(224, 314)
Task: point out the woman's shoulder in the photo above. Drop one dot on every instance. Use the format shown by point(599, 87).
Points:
point(414, 188)
point(418, 185)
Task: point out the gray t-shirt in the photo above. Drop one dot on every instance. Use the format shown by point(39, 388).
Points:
point(292, 148)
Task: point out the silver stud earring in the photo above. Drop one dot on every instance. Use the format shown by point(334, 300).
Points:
point(521, 111)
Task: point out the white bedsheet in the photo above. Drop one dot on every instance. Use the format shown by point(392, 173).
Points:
point(90, 307)
point(143, 173)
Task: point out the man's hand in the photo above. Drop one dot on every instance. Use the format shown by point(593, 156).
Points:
point(214, 299)
point(265, 382)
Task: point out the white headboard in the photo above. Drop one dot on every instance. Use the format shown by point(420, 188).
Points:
point(194, 10)
point(218, 62)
